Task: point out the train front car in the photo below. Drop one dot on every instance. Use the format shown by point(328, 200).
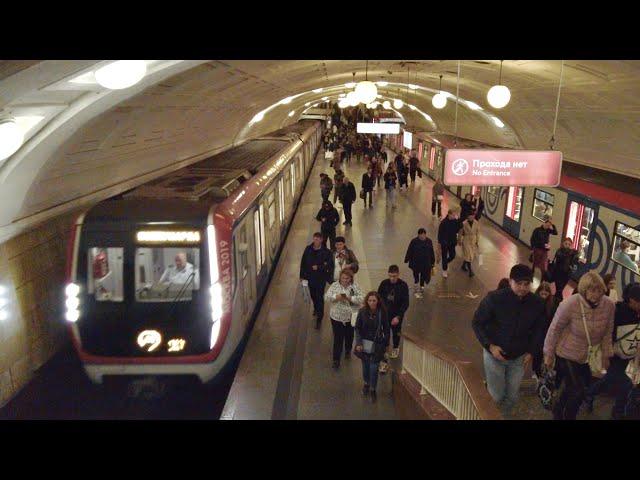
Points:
point(139, 297)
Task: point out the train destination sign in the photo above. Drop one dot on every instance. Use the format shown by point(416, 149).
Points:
point(388, 128)
point(502, 167)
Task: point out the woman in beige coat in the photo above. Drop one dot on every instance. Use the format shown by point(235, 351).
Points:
point(470, 234)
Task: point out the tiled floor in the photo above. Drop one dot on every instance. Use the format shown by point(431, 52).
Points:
point(286, 368)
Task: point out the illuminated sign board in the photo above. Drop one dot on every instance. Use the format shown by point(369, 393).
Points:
point(150, 340)
point(407, 140)
point(154, 236)
point(502, 167)
point(388, 128)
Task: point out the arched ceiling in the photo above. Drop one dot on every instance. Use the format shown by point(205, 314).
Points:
point(91, 143)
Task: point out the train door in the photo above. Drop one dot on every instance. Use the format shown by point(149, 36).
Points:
point(580, 221)
point(245, 286)
point(260, 246)
point(513, 211)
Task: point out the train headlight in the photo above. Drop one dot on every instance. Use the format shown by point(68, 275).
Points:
point(73, 302)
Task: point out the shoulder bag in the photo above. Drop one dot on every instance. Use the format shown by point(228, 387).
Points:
point(594, 355)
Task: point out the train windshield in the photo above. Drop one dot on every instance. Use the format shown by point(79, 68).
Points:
point(166, 274)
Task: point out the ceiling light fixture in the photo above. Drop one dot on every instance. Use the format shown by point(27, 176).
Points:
point(498, 122)
point(291, 113)
point(366, 90)
point(285, 101)
point(473, 106)
point(11, 137)
point(121, 74)
point(499, 95)
point(439, 100)
point(317, 90)
point(386, 104)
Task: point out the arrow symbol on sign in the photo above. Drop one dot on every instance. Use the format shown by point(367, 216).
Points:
point(471, 295)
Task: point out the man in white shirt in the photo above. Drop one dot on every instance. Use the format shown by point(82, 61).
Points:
point(180, 273)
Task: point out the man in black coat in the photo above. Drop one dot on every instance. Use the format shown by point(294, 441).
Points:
point(540, 245)
point(478, 205)
point(367, 186)
point(395, 297)
point(420, 257)
point(316, 269)
point(448, 238)
point(328, 217)
point(347, 197)
point(508, 324)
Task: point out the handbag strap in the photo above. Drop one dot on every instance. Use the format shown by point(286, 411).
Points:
point(584, 322)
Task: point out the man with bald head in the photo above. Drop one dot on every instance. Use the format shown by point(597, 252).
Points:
point(179, 273)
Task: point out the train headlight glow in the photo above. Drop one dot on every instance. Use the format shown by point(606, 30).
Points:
point(73, 302)
point(215, 331)
point(216, 302)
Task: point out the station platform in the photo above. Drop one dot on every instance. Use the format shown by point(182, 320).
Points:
point(286, 372)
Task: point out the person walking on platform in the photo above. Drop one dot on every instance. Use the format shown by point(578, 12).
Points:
point(372, 339)
point(609, 280)
point(347, 197)
point(394, 293)
point(377, 173)
point(316, 270)
point(550, 306)
point(338, 178)
point(413, 166)
point(437, 195)
point(540, 245)
point(326, 185)
point(507, 325)
point(478, 205)
point(420, 257)
point(581, 322)
point(345, 296)
point(390, 179)
point(367, 187)
point(470, 235)
point(626, 334)
point(466, 205)
point(564, 262)
point(344, 258)
point(329, 218)
point(448, 238)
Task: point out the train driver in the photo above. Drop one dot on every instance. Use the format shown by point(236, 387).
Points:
point(180, 273)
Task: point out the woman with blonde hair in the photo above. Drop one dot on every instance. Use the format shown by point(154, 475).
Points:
point(582, 321)
point(345, 296)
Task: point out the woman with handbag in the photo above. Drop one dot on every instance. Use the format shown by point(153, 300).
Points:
point(345, 296)
point(579, 342)
point(372, 339)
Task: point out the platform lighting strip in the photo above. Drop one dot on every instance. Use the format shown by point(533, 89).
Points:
point(168, 236)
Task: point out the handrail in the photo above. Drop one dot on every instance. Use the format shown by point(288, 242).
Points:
point(453, 382)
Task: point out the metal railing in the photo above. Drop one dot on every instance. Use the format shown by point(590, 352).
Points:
point(454, 383)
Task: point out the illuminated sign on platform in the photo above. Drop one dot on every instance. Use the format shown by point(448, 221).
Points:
point(502, 167)
point(407, 140)
point(388, 128)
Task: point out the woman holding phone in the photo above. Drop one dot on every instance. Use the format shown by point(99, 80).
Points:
point(345, 296)
point(372, 339)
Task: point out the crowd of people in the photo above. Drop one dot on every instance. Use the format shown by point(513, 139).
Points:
point(517, 328)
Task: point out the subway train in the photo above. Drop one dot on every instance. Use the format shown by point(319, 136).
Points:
point(165, 279)
point(597, 209)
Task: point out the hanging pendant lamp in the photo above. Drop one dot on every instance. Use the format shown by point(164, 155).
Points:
point(499, 95)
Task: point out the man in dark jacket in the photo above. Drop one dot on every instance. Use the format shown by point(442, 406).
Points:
point(326, 185)
point(395, 297)
point(448, 238)
point(421, 257)
point(478, 205)
point(337, 182)
point(626, 341)
point(540, 245)
point(367, 186)
point(328, 217)
point(316, 268)
point(507, 324)
point(564, 261)
point(413, 166)
point(347, 197)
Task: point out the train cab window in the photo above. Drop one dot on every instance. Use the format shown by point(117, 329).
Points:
point(166, 274)
point(105, 274)
point(514, 203)
point(542, 204)
point(578, 227)
point(626, 247)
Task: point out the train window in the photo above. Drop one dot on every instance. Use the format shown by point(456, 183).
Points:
point(578, 227)
point(493, 192)
point(626, 247)
point(105, 273)
point(542, 204)
point(300, 168)
point(514, 203)
point(256, 233)
point(281, 199)
point(262, 235)
point(293, 179)
point(166, 274)
point(271, 200)
point(432, 157)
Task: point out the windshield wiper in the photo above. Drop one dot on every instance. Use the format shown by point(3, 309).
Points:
point(174, 302)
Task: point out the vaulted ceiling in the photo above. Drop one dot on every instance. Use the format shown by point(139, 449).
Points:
point(90, 143)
